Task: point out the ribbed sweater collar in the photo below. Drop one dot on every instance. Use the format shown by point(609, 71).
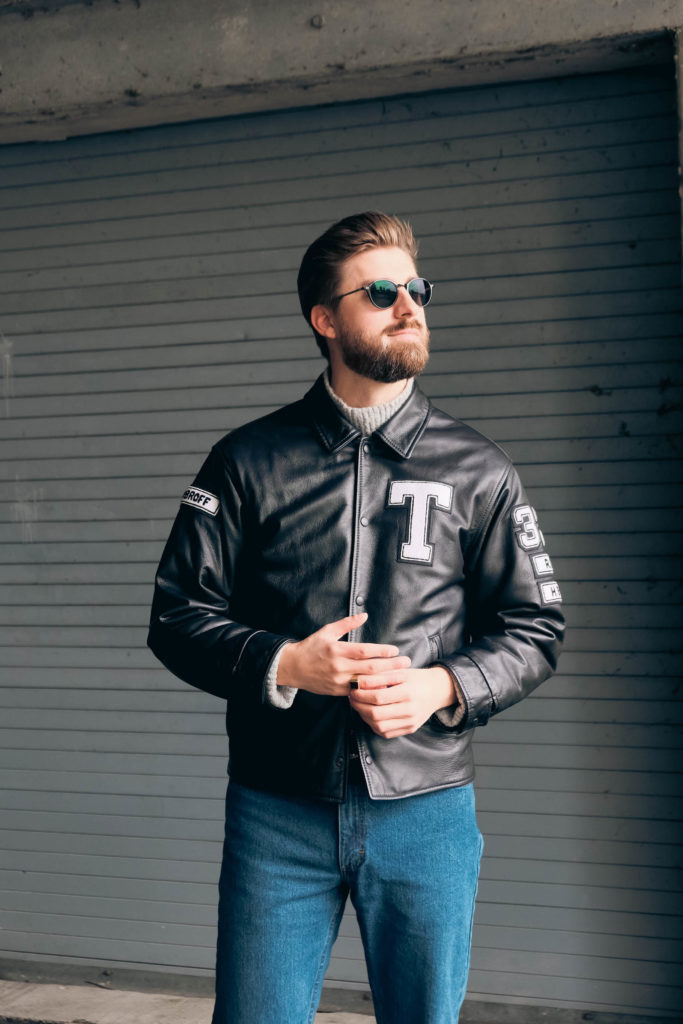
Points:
point(368, 418)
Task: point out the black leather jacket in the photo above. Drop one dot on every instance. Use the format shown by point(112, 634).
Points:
point(295, 520)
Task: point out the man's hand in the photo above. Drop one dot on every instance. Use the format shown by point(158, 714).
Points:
point(401, 709)
point(323, 663)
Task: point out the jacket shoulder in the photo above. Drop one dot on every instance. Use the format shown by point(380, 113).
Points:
point(265, 433)
point(465, 437)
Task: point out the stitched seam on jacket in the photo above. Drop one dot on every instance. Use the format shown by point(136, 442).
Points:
point(243, 649)
point(484, 677)
point(486, 514)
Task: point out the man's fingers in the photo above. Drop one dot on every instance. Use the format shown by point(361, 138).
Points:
point(392, 692)
point(371, 674)
point(336, 630)
point(374, 686)
point(378, 666)
point(380, 723)
point(374, 675)
point(367, 652)
point(388, 719)
point(404, 730)
point(361, 651)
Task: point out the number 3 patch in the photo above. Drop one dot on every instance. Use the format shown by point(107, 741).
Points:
point(527, 532)
point(529, 537)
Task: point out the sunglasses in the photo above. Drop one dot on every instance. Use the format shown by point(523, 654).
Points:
point(383, 294)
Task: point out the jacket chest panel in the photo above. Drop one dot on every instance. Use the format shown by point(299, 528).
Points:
point(356, 501)
point(304, 512)
point(407, 568)
point(409, 518)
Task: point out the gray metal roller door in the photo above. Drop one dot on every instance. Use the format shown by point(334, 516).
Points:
point(148, 298)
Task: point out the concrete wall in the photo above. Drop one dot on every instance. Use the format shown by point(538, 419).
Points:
point(70, 67)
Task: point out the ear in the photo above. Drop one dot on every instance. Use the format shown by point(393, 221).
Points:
point(322, 320)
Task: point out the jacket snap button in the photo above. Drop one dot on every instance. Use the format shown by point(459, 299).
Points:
point(364, 520)
point(360, 599)
point(366, 448)
point(368, 760)
point(340, 762)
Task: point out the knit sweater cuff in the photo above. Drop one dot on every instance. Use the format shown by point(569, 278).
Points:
point(452, 716)
point(279, 696)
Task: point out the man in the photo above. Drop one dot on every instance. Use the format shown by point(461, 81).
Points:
point(364, 580)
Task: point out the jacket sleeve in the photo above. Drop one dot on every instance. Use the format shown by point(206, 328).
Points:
point(192, 631)
point(515, 621)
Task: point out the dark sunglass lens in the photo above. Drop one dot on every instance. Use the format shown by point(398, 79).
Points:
point(383, 293)
point(420, 291)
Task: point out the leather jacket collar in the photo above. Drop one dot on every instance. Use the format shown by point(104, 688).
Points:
point(401, 432)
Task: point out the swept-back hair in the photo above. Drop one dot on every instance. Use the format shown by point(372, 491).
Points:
point(319, 273)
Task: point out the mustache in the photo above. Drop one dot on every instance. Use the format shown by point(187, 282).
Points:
point(405, 325)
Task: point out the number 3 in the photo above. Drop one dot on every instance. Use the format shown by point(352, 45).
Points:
point(528, 534)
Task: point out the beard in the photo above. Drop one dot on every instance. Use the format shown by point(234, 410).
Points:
point(380, 359)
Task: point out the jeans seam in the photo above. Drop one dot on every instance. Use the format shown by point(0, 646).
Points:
point(322, 964)
point(463, 991)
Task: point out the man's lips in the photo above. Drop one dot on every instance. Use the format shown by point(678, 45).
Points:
point(404, 332)
point(405, 325)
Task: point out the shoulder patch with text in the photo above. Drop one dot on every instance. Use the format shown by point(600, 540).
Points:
point(550, 592)
point(195, 497)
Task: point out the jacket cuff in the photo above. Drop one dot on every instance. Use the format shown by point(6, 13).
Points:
point(452, 716)
point(475, 694)
point(255, 658)
point(278, 696)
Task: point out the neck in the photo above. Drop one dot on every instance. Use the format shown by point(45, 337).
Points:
point(361, 392)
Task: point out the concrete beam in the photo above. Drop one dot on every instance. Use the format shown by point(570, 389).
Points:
point(70, 67)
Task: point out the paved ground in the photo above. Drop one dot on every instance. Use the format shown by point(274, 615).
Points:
point(94, 1002)
point(30, 1003)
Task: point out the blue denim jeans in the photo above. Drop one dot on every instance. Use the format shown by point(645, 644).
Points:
point(411, 869)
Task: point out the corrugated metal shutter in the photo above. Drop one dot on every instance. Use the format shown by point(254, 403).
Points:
point(149, 305)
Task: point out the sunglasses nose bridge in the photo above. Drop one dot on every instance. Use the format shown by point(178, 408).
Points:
point(404, 299)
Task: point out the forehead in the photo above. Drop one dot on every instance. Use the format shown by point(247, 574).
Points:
point(375, 264)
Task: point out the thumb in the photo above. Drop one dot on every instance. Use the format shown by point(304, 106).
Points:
point(341, 627)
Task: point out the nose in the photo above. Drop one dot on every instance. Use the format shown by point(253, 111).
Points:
point(404, 305)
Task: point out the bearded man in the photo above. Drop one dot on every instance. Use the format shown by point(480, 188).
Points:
point(363, 579)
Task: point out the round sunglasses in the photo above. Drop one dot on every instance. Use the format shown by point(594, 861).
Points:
point(383, 294)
